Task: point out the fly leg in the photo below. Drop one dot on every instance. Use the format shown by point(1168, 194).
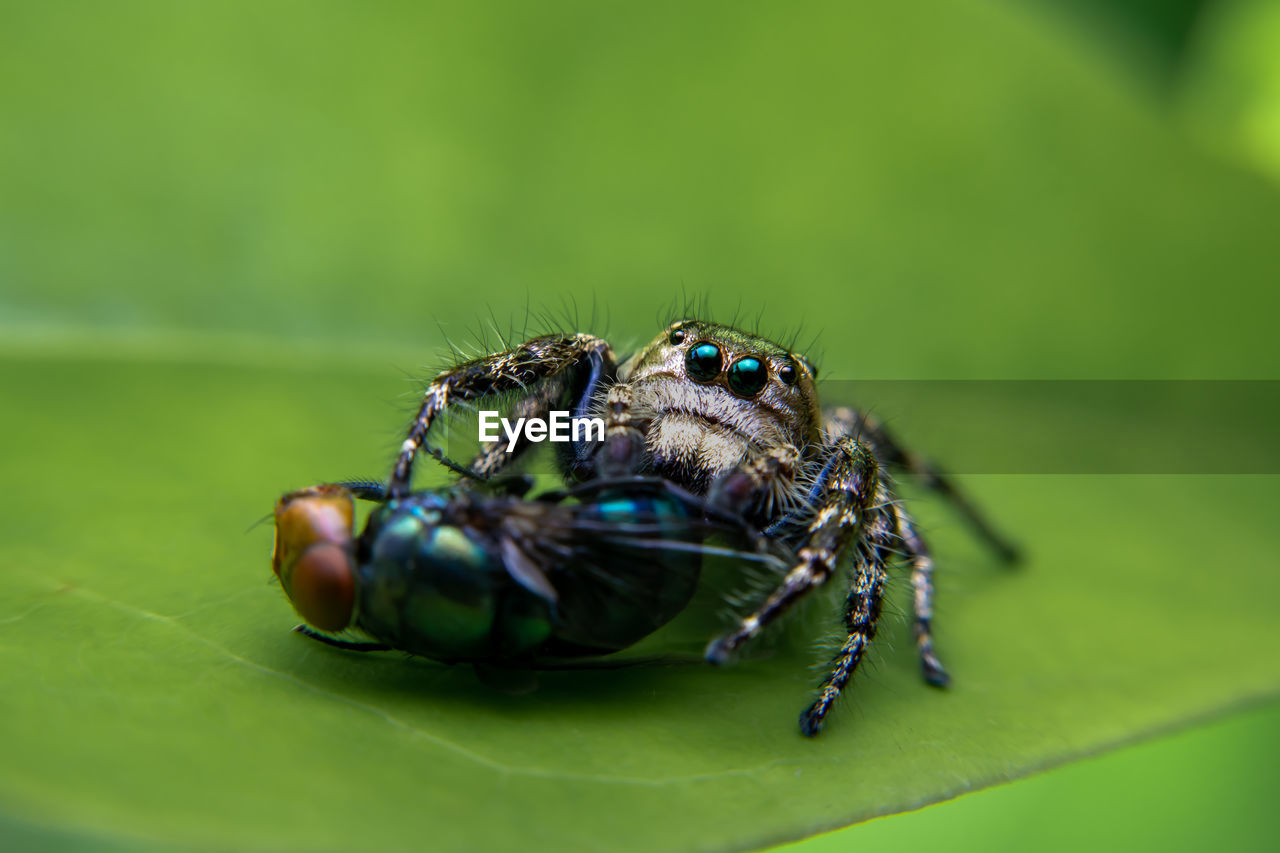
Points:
point(349, 645)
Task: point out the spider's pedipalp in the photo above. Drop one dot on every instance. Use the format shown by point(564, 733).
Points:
point(922, 595)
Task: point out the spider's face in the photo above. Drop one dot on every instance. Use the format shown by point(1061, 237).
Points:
point(712, 393)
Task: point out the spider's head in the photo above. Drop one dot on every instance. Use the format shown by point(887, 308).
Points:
point(314, 554)
point(731, 379)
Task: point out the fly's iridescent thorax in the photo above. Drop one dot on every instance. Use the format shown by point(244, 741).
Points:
point(433, 586)
point(461, 577)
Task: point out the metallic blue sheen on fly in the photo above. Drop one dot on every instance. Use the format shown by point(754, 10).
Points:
point(462, 575)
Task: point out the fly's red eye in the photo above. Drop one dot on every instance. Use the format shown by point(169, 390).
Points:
point(323, 587)
point(313, 555)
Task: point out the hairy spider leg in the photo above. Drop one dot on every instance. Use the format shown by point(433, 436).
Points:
point(922, 594)
point(861, 613)
point(847, 421)
point(915, 549)
point(852, 489)
point(492, 458)
point(512, 370)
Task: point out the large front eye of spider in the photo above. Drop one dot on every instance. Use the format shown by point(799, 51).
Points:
point(703, 362)
point(748, 376)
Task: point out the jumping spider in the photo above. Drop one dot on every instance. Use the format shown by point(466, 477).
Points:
point(734, 417)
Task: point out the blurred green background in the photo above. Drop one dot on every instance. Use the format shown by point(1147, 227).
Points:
point(930, 189)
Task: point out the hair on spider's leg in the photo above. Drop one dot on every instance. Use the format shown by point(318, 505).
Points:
point(514, 369)
point(849, 487)
point(812, 497)
point(812, 571)
point(897, 457)
point(494, 457)
point(922, 596)
point(861, 613)
point(456, 354)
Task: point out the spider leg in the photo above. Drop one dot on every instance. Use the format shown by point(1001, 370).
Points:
point(922, 600)
point(513, 370)
point(861, 613)
point(374, 491)
point(846, 421)
point(851, 488)
point(492, 458)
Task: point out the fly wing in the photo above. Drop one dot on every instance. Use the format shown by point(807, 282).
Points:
point(525, 570)
point(627, 562)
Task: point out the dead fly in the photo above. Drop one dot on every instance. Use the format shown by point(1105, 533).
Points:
point(460, 575)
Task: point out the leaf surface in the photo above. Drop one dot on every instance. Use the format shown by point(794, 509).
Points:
point(152, 687)
point(229, 232)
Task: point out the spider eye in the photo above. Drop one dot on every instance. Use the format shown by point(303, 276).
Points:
point(677, 336)
point(748, 376)
point(788, 374)
point(703, 362)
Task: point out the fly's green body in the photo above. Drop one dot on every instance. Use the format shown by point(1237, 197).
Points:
point(459, 576)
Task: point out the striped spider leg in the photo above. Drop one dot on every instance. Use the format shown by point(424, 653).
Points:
point(578, 360)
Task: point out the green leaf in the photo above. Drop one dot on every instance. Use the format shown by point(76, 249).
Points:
point(227, 233)
point(152, 687)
